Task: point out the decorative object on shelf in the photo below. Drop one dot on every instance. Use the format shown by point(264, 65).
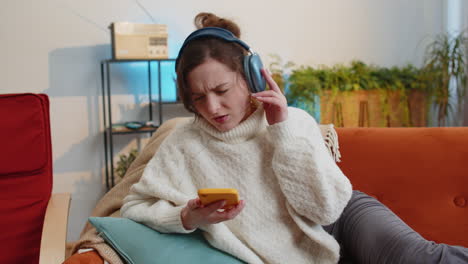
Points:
point(138, 41)
point(134, 125)
point(125, 160)
point(151, 124)
point(446, 65)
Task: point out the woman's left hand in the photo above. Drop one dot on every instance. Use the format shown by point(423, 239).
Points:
point(274, 101)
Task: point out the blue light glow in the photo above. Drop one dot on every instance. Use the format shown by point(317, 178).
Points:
point(168, 81)
point(133, 77)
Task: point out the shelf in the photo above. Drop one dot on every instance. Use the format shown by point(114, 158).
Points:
point(115, 129)
point(124, 130)
point(135, 60)
point(167, 103)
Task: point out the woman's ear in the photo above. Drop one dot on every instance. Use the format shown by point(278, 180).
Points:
point(241, 81)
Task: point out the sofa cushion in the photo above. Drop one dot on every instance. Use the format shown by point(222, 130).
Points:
point(419, 173)
point(25, 175)
point(139, 244)
point(23, 134)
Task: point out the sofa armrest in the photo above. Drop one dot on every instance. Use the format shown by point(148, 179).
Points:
point(54, 231)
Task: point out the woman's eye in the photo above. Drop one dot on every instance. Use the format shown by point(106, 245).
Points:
point(198, 98)
point(222, 91)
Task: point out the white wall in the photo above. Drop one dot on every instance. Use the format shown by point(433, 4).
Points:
point(55, 47)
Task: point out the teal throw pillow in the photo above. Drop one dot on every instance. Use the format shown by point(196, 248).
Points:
point(139, 244)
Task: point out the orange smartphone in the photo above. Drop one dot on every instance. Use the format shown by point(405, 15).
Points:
point(211, 195)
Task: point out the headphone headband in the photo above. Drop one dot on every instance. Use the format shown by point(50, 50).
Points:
point(214, 32)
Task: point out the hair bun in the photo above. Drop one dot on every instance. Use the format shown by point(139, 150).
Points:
point(204, 19)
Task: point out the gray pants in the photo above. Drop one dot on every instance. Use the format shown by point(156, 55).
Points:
point(370, 233)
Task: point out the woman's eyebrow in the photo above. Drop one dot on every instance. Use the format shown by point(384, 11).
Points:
point(221, 85)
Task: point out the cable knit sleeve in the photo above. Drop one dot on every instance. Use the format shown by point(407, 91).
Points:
point(158, 198)
point(312, 183)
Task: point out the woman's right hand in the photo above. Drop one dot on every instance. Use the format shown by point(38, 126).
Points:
point(195, 214)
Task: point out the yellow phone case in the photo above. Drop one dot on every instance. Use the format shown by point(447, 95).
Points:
point(211, 195)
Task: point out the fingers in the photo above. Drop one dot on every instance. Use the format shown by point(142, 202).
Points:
point(270, 81)
point(234, 211)
point(275, 103)
point(270, 97)
point(194, 204)
point(195, 214)
point(269, 93)
point(213, 207)
point(270, 100)
point(217, 216)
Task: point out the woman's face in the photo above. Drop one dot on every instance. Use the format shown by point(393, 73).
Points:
point(219, 95)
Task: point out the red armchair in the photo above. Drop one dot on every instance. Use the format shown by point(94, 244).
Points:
point(33, 221)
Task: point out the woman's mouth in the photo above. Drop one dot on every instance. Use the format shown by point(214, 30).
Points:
point(221, 119)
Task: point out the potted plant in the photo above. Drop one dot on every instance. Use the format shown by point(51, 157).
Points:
point(359, 94)
point(125, 160)
point(404, 95)
point(446, 65)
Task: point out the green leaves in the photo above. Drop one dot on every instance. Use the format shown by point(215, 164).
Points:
point(307, 81)
point(124, 162)
point(445, 65)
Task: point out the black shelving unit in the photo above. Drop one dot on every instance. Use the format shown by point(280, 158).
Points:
point(109, 131)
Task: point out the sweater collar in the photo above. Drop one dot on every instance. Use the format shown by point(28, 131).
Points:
point(247, 129)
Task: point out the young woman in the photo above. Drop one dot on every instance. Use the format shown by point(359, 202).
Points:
point(297, 205)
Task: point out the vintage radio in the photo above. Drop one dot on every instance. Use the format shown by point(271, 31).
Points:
point(138, 41)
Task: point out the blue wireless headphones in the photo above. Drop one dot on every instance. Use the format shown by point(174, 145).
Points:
point(252, 62)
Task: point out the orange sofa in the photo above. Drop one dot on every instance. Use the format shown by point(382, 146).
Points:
point(419, 173)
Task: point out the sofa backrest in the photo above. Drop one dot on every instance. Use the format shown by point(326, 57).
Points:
point(25, 175)
point(419, 173)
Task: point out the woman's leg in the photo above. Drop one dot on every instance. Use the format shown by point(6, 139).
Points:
point(369, 232)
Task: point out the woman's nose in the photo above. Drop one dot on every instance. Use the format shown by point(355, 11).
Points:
point(212, 105)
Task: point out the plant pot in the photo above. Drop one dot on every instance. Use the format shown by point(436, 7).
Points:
point(346, 109)
point(373, 108)
point(418, 106)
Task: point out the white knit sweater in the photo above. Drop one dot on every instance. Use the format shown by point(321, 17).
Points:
point(284, 172)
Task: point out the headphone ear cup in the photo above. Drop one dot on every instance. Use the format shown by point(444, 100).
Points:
point(252, 66)
point(247, 74)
